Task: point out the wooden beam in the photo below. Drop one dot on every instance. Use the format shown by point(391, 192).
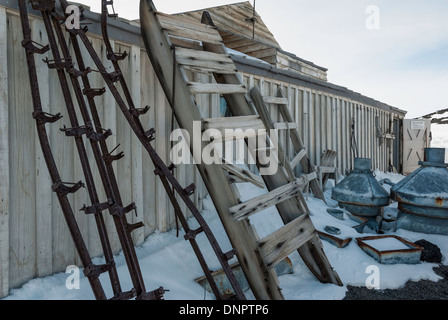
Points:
point(214, 88)
point(253, 122)
point(244, 174)
point(246, 209)
point(276, 100)
point(298, 158)
point(44, 220)
point(263, 282)
point(179, 27)
point(4, 159)
point(203, 61)
point(286, 240)
point(285, 125)
point(298, 145)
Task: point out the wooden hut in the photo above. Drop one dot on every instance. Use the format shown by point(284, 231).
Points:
point(34, 239)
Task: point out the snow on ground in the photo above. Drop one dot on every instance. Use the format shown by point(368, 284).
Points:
point(169, 261)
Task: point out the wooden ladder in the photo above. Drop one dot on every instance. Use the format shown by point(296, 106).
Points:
point(293, 139)
point(178, 45)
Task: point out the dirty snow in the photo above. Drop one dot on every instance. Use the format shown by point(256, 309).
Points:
point(169, 261)
point(385, 244)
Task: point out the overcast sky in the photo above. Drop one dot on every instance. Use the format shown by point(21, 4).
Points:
point(397, 53)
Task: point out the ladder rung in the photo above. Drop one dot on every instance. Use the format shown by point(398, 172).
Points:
point(244, 174)
point(214, 88)
point(285, 125)
point(276, 100)
point(260, 203)
point(284, 241)
point(188, 29)
point(326, 169)
point(244, 122)
point(205, 61)
point(298, 158)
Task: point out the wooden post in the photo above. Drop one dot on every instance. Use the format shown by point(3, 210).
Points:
point(44, 236)
point(241, 234)
point(136, 147)
point(4, 159)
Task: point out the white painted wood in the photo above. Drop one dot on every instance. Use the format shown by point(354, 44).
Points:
point(213, 88)
point(190, 33)
point(138, 235)
point(148, 86)
point(161, 119)
point(204, 61)
point(286, 240)
point(244, 175)
point(285, 125)
point(4, 158)
point(113, 120)
point(298, 158)
point(44, 263)
point(22, 181)
point(275, 100)
point(244, 210)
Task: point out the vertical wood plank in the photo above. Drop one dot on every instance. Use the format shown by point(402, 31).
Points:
point(317, 130)
point(44, 249)
point(136, 147)
point(148, 83)
point(4, 158)
point(344, 117)
point(108, 110)
point(162, 207)
point(22, 220)
point(328, 124)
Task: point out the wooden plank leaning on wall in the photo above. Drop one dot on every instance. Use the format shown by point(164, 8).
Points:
point(4, 157)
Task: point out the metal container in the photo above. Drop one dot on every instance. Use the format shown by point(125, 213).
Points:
point(423, 195)
point(360, 193)
point(407, 252)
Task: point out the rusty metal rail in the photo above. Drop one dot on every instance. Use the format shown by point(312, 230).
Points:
point(63, 64)
point(92, 129)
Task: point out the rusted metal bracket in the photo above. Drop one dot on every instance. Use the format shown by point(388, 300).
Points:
point(63, 189)
point(44, 117)
point(63, 65)
point(96, 208)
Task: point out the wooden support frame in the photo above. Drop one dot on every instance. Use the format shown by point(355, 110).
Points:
point(246, 209)
point(241, 234)
point(263, 282)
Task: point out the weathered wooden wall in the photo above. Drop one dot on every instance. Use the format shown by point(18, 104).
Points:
point(324, 122)
point(34, 239)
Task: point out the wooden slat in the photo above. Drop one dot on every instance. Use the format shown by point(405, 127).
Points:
point(244, 174)
point(4, 160)
point(263, 282)
point(195, 31)
point(253, 122)
point(298, 145)
point(276, 100)
point(214, 88)
point(204, 61)
point(246, 209)
point(284, 241)
point(44, 220)
point(298, 158)
point(285, 125)
point(245, 127)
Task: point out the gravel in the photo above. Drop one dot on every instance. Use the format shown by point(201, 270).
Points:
point(421, 290)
